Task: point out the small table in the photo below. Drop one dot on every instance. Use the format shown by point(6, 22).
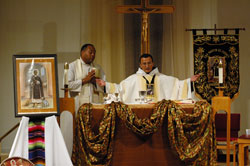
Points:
point(244, 142)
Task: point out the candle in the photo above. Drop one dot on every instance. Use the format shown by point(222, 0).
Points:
point(220, 72)
point(66, 68)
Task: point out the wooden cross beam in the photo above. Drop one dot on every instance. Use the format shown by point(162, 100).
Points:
point(145, 9)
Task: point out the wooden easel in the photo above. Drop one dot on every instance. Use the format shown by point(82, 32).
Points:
point(221, 102)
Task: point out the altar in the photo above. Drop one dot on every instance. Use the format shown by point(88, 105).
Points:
point(132, 150)
point(119, 134)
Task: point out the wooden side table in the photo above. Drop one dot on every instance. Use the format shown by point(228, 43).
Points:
point(244, 142)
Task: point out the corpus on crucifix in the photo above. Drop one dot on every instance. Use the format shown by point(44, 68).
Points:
point(145, 9)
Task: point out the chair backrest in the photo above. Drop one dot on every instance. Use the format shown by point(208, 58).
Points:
point(221, 126)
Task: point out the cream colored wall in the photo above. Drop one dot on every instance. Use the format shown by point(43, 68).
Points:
point(61, 26)
point(236, 14)
point(189, 14)
point(104, 28)
point(56, 27)
point(39, 27)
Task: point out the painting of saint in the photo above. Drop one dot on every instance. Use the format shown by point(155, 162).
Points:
point(36, 89)
point(213, 69)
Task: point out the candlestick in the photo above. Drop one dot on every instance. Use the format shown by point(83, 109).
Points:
point(220, 72)
point(66, 68)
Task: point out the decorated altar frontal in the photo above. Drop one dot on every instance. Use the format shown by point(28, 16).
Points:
point(160, 135)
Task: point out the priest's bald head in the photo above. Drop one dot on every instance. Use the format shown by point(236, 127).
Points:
point(146, 63)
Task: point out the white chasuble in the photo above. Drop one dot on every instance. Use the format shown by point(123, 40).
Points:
point(87, 93)
point(165, 87)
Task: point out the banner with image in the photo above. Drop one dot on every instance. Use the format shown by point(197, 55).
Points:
point(209, 50)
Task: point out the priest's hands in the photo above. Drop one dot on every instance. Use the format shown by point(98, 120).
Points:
point(100, 82)
point(90, 78)
point(195, 77)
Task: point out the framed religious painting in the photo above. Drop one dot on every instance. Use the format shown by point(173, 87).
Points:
point(213, 69)
point(35, 85)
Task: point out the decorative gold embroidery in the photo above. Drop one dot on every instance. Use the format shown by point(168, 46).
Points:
point(207, 47)
point(192, 136)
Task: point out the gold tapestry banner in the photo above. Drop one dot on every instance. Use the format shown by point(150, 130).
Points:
point(209, 50)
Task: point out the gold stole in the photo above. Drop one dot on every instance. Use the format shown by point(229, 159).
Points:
point(112, 88)
point(143, 84)
point(184, 90)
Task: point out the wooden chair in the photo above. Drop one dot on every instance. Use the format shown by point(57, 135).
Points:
point(222, 102)
point(221, 132)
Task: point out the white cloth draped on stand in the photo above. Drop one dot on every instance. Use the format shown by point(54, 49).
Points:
point(56, 153)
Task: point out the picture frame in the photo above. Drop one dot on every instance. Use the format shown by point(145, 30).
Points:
point(35, 85)
point(213, 69)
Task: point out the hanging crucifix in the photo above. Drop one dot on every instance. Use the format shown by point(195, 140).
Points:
point(145, 9)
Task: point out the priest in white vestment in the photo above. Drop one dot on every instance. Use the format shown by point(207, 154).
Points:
point(81, 77)
point(164, 87)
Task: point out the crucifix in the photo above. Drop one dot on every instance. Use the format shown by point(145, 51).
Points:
point(145, 9)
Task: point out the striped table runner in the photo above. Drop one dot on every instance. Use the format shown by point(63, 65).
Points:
point(36, 142)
